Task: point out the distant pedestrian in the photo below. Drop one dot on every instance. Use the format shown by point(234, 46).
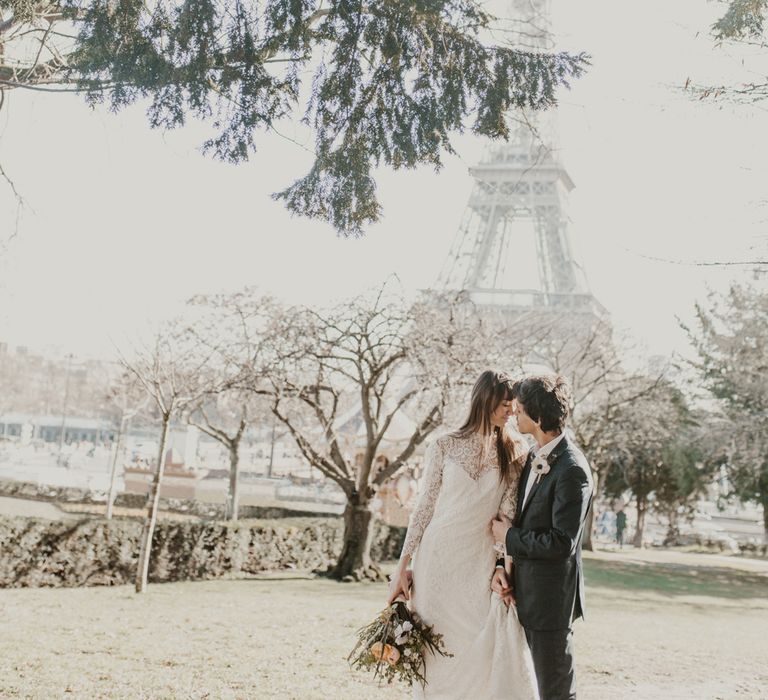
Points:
point(621, 524)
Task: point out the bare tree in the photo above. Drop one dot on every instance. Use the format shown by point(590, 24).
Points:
point(225, 417)
point(584, 350)
point(236, 329)
point(127, 395)
point(174, 373)
point(339, 378)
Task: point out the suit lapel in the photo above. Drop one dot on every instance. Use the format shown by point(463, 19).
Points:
point(554, 456)
point(561, 447)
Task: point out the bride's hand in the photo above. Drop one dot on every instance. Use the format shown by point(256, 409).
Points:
point(500, 584)
point(400, 585)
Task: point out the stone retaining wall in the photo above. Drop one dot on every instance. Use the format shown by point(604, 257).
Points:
point(105, 552)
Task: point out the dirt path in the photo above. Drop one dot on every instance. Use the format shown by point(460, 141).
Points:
point(32, 509)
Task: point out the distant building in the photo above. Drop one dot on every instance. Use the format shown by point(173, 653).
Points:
point(48, 428)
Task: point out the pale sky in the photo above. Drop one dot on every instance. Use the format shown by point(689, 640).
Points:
point(123, 223)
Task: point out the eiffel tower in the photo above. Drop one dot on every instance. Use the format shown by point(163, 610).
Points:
point(512, 250)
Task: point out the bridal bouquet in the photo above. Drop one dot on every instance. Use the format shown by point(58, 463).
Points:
point(394, 645)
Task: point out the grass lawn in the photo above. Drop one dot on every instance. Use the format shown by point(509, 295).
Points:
point(660, 625)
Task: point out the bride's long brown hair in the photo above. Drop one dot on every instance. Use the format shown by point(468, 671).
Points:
point(489, 391)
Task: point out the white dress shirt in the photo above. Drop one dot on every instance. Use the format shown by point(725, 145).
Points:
point(543, 451)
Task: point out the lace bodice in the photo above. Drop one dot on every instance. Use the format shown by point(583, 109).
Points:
point(476, 455)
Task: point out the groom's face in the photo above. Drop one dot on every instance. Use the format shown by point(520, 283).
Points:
point(525, 424)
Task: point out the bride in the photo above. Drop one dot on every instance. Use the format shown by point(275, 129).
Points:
point(470, 475)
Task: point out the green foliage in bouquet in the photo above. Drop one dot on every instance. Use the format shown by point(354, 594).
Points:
point(394, 645)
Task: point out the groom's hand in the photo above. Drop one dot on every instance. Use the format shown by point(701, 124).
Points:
point(499, 528)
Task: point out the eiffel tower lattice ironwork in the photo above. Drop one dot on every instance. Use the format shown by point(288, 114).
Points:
point(513, 247)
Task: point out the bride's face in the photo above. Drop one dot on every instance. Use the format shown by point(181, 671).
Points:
point(501, 414)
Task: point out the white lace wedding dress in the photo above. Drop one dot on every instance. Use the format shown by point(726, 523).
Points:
point(453, 560)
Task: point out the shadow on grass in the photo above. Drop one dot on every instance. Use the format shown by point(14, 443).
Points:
point(676, 579)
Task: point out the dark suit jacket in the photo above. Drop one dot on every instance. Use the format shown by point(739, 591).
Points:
point(545, 541)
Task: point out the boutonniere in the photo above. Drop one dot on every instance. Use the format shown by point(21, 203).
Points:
point(540, 466)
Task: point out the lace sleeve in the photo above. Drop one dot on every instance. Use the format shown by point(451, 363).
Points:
point(508, 505)
point(425, 505)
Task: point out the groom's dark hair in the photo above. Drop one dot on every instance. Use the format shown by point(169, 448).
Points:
point(546, 398)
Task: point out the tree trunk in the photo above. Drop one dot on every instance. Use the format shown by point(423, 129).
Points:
point(64, 414)
point(232, 494)
point(113, 474)
point(153, 502)
point(355, 559)
point(271, 449)
point(589, 525)
point(765, 517)
point(638, 539)
point(673, 529)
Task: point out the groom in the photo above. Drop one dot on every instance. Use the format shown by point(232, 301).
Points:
point(554, 494)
